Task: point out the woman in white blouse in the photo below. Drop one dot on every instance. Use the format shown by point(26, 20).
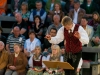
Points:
point(31, 43)
point(35, 62)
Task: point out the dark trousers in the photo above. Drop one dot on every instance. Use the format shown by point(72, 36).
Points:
point(74, 61)
point(2, 71)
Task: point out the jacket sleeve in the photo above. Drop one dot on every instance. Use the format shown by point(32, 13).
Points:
point(10, 59)
point(5, 61)
point(24, 64)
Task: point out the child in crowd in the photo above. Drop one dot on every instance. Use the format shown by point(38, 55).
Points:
point(35, 63)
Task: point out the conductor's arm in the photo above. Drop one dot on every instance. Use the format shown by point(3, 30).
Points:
point(84, 39)
point(58, 38)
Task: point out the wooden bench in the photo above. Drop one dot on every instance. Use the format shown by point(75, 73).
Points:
point(94, 64)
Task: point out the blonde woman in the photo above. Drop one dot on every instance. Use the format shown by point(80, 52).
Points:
point(54, 56)
point(17, 62)
point(24, 11)
point(58, 11)
point(35, 63)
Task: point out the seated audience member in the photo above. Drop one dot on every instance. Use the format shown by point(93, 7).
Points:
point(50, 5)
point(17, 62)
point(31, 4)
point(15, 6)
point(47, 44)
point(3, 4)
point(95, 20)
point(24, 11)
point(31, 43)
point(77, 13)
point(96, 37)
point(35, 62)
point(54, 56)
point(37, 26)
point(21, 24)
point(89, 29)
point(16, 37)
point(2, 38)
point(3, 58)
point(57, 11)
point(38, 11)
point(56, 23)
point(90, 6)
point(62, 50)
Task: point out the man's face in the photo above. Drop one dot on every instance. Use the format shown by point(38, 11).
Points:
point(76, 5)
point(18, 17)
point(38, 6)
point(56, 19)
point(16, 31)
point(68, 27)
point(53, 32)
point(84, 22)
point(63, 51)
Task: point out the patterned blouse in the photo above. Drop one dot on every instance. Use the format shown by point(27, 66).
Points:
point(26, 15)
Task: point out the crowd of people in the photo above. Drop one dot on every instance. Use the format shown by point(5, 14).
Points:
point(48, 30)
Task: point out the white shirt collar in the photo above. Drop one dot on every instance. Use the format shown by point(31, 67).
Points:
point(16, 55)
point(75, 17)
point(57, 11)
point(73, 27)
point(77, 10)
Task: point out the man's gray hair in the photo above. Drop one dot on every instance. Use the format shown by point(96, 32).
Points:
point(2, 43)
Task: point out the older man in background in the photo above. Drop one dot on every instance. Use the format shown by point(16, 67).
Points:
point(56, 23)
point(77, 13)
point(16, 37)
point(87, 28)
point(3, 58)
point(21, 24)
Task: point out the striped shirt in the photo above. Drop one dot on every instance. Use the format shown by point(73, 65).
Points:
point(12, 40)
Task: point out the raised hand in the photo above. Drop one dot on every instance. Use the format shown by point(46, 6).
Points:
point(77, 35)
point(48, 37)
